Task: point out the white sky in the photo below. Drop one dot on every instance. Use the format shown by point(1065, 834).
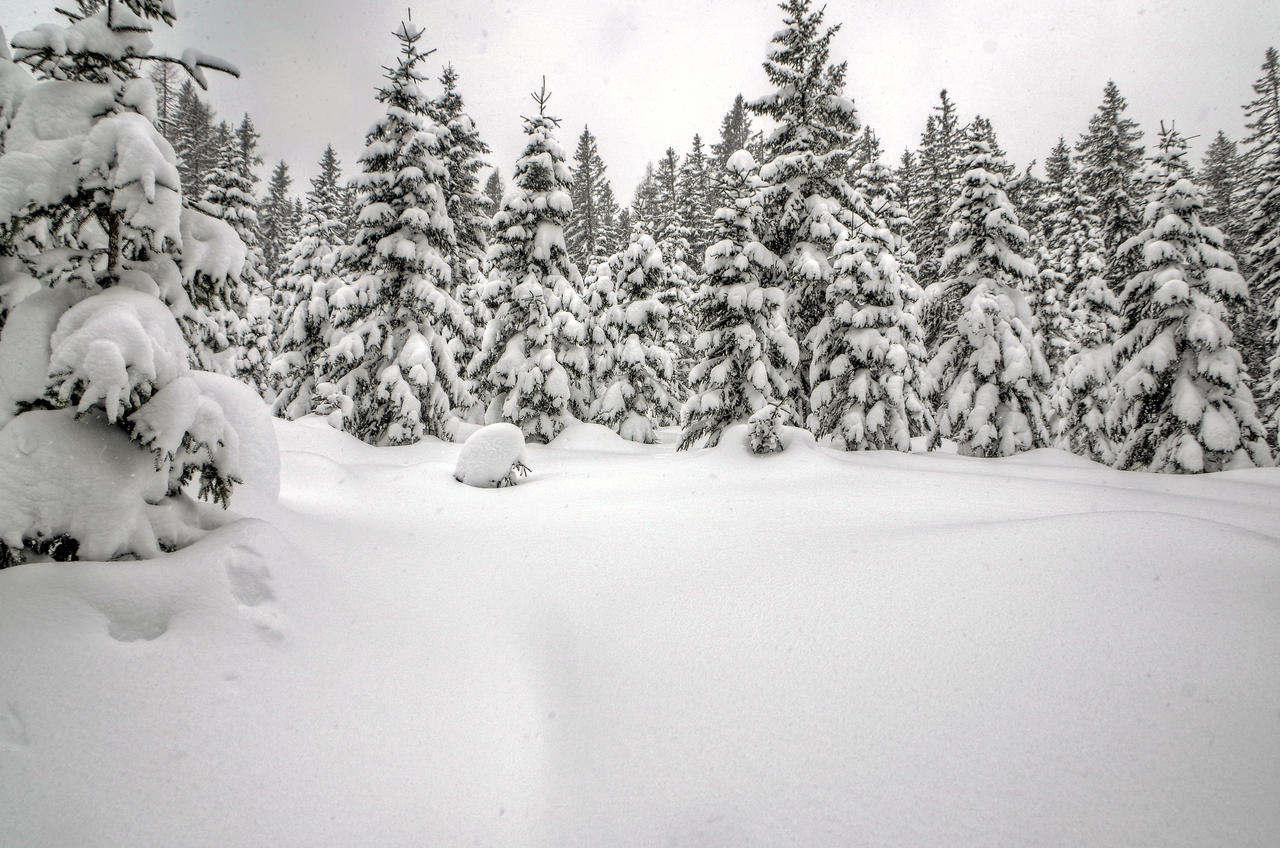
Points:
point(646, 74)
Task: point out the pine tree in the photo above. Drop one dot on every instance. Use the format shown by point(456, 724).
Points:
point(747, 358)
point(735, 133)
point(665, 210)
point(694, 196)
point(531, 367)
point(465, 202)
point(636, 393)
point(164, 78)
point(194, 140)
point(274, 218)
point(1109, 155)
point(807, 194)
point(989, 372)
point(493, 190)
point(116, 259)
point(1181, 401)
point(389, 374)
point(590, 231)
point(313, 270)
point(1083, 394)
point(868, 354)
point(938, 167)
point(1262, 237)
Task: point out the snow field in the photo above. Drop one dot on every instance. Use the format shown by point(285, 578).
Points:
point(636, 647)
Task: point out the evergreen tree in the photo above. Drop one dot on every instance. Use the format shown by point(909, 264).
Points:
point(868, 356)
point(1262, 236)
point(735, 133)
point(531, 367)
point(664, 213)
point(637, 388)
point(936, 184)
point(590, 231)
point(111, 261)
point(312, 274)
point(493, 190)
point(694, 198)
point(165, 79)
point(274, 219)
point(1181, 401)
point(989, 372)
point(389, 374)
point(1083, 394)
point(465, 203)
point(747, 358)
point(194, 140)
point(1109, 154)
point(807, 194)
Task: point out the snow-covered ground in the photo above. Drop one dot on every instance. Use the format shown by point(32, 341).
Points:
point(634, 647)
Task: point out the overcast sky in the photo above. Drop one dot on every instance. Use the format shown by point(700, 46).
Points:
point(648, 74)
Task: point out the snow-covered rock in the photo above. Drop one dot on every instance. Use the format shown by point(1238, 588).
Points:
point(491, 457)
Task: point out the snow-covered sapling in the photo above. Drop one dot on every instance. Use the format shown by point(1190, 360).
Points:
point(491, 457)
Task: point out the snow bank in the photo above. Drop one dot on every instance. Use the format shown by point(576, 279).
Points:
point(24, 347)
point(490, 457)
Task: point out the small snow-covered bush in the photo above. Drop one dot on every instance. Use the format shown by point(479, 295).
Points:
point(491, 457)
point(764, 430)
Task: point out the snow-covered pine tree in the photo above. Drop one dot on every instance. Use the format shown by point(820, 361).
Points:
point(1109, 154)
point(694, 194)
point(465, 201)
point(493, 191)
point(389, 376)
point(989, 371)
point(312, 273)
point(590, 232)
point(165, 78)
point(95, 384)
point(807, 195)
point(868, 355)
point(274, 219)
point(665, 210)
point(600, 295)
point(194, 140)
point(1082, 393)
point(1182, 403)
point(637, 392)
point(747, 358)
point(531, 367)
point(1262, 236)
point(934, 186)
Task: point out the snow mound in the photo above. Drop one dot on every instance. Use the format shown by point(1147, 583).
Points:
point(83, 478)
point(491, 456)
point(250, 418)
point(594, 438)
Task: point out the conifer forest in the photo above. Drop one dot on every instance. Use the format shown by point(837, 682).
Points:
point(797, 442)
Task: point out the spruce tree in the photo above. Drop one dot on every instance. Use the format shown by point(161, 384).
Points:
point(531, 367)
point(989, 372)
point(312, 272)
point(1262, 236)
point(1082, 393)
point(111, 261)
point(868, 355)
point(636, 390)
point(807, 193)
point(493, 190)
point(590, 231)
point(1182, 404)
point(936, 184)
point(747, 359)
point(194, 140)
point(274, 219)
point(389, 374)
point(694, 202)
point(735, 135)
point(1109, 155)
point(465, 202)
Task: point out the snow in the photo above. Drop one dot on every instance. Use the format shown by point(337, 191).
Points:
point(250, 418)
point(645, 647)
point(24, 347)
point(487, 458)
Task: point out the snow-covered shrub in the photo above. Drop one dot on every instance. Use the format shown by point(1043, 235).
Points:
point(764, 430)
point(491, 457)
